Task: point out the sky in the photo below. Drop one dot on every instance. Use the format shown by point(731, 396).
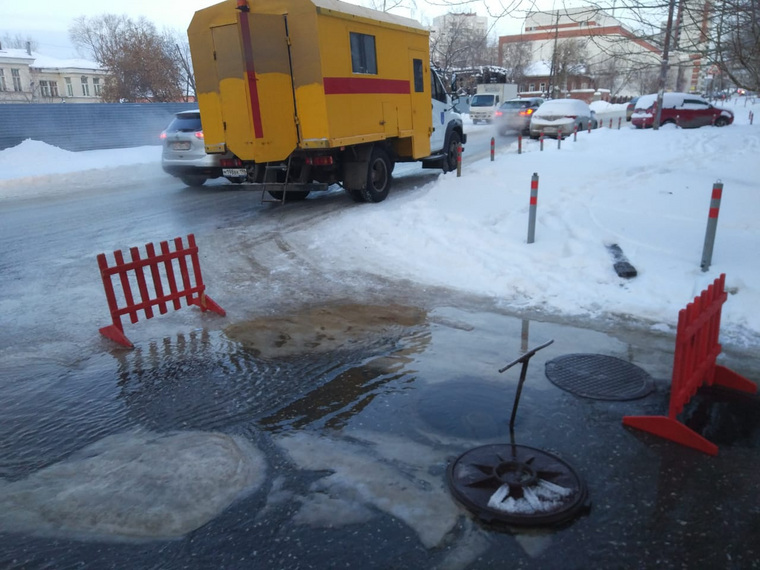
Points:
point(47, 21)
point(646, 191)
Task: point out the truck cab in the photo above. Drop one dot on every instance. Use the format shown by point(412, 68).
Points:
point(482, 107)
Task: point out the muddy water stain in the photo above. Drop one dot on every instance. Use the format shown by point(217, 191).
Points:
point(324, 328)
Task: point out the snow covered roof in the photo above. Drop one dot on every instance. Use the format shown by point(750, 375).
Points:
point(39, 61)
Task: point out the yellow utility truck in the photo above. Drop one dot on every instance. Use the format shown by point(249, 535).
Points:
point(308, 93)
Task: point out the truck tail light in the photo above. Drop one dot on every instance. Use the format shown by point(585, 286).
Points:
point(230, 162)
point(323, 160)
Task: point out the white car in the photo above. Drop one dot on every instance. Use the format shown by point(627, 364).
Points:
point(562, 115)
point(184, 152)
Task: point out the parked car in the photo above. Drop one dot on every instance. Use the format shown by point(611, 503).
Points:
point(630, 108)
point(564, 114)
point(515, 115)
point(683, 109)
point(184, 152)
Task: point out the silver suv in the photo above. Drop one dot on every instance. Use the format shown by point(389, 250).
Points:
point(184, 153)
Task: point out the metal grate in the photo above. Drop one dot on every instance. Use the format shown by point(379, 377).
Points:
point(599, 377)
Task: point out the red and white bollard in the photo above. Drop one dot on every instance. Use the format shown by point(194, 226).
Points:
point(493, 148)
point(459, 161)
point(610, 123)
point(575, 133)
point(559, 138)
point(519, 143)
point(620, 122)
point(532, 208)
point(712, 225)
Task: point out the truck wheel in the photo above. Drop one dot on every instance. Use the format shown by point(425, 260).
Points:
point(378, 176)
point(452, 153)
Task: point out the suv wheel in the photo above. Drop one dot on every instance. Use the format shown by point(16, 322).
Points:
point(193, 180)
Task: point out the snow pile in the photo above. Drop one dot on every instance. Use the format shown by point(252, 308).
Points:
point(646, 191)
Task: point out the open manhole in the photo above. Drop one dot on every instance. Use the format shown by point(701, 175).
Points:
point(517, 485)
point(599, 377)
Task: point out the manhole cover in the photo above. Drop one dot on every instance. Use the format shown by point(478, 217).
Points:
point(599, 377)
point(517, 485)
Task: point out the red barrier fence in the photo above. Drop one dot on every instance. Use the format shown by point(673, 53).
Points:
point(694, 365)
point(163, 274)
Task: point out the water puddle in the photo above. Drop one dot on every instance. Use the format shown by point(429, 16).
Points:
point(325, 435)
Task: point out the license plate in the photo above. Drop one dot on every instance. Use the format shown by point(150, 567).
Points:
point(236, 172)
point(180, 146)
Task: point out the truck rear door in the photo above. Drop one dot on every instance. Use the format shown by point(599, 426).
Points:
point(259, 113)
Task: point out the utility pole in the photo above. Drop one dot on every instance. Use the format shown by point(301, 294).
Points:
point(665, 65)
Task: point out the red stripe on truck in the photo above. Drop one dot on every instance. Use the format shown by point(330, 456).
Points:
point(250, 75)
point(364, 85)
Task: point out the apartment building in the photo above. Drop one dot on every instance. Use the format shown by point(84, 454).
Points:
point(615, 60)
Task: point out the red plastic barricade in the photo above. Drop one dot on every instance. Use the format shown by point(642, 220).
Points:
point(694, 365)
point(162, 275)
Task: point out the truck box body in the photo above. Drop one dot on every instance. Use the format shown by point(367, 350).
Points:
point(281, 76)
point(487, 99)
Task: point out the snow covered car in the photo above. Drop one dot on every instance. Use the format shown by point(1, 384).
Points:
point(515, 114)
point(683, 109)
point(184, 152)
point(561, 114)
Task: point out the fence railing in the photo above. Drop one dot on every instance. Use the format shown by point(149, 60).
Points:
point(694, 366)
point(173, 275)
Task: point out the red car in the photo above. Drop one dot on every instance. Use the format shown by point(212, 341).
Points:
point(682, 109)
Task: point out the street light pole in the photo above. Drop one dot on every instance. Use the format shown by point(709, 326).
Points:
point(665, 65)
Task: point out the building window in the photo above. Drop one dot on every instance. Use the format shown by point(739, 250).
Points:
point(542, 87)
point(16, 75)
point(44, 88)
point(532, 87)
point(363, 56)
point(584, 85)
point(96, 86)
point(69, 87)
point(53, 88)
point(3, 86)
point(85, 87)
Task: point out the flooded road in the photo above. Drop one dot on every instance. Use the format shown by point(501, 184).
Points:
point(314, 425)
point(321, 438)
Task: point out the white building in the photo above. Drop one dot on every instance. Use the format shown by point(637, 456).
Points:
point(615, 59)
point(29, 77)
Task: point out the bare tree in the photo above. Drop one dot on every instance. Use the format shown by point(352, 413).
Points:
point(18, 41)
point(515, 58)
point(569, 58)
point(457, 45)
point(143, 65)
point(737, 42)
point(390, 5)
